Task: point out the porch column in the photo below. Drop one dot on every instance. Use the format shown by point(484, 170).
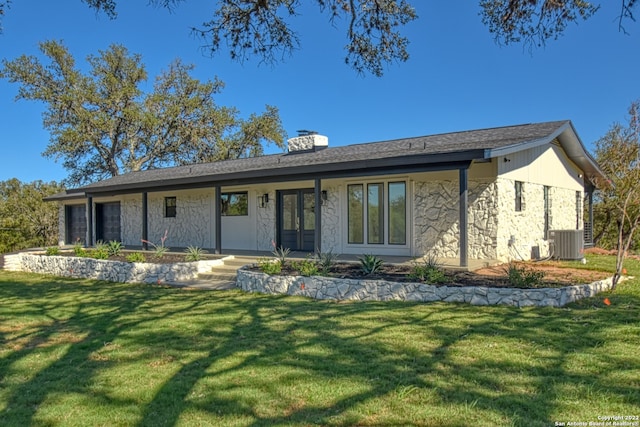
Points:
point(218, 220)
point(89, 221)
point(145, 224)
point(318, 214)
point(464, 182)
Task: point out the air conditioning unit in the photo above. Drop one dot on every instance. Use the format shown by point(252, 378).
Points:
point(567, 244)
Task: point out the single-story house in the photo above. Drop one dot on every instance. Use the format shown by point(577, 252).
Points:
point(489, 194)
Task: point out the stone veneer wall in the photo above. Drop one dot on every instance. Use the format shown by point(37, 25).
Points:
point(374, 290)
point(437, 219)
point(113, 271)
point(331, 230)
point(527, 226)
point(266, 224)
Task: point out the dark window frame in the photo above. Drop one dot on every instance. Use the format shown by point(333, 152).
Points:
point(519, 189)
point(170, 207)
point(384, 215)
point(227, 197)
point(390, 237)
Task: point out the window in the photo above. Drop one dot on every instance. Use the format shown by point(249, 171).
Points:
point(578, 209)
point(519, 196)
point(356, 213)
point(234, 204)
point(547, 210)
point(375, 218)
point(370, 219)
point(397, 213)
point(169, 207)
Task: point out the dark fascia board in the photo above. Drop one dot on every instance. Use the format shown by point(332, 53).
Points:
point(65, 196)
point(395, 165)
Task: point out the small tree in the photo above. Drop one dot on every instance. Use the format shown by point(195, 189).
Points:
point(25, 219)
point(618, 154)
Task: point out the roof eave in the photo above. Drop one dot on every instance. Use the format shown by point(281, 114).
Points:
point(570, 143)
point(400, 164)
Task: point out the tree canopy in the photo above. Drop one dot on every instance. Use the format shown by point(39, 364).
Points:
point(618, 207)
point(102, 124)
point(373, 28)
point(26, 221)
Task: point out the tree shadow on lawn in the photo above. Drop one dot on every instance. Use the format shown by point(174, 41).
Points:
point(274, 360)
point(473, 380)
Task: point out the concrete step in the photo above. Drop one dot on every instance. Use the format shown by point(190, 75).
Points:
point(209, 285)
point(217, 275)
point(220, 277)
point(237, 261)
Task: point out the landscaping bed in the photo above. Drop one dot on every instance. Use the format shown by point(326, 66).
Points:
point(553, 274)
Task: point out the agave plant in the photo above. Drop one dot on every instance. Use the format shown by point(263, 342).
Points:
point(370, 264)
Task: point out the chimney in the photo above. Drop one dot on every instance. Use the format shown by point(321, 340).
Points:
point(307, 140)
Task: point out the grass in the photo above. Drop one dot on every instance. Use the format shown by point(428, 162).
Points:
point(81, 352)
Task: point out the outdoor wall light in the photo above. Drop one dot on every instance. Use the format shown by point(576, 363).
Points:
point(323, 196)
point(263, 200)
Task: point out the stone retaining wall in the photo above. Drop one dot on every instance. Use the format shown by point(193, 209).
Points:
point(114, 271)
point(376, 290)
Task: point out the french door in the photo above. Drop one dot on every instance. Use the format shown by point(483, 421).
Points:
point(296, 219)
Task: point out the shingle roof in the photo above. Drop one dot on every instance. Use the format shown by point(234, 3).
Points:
point(442, 149)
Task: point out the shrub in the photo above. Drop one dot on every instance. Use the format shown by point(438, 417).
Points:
point(520, 277)
point(52, 250)
point(136, 257)
point(370, 264)
point(79, 251)
point(306, 267)
point(429, 271)
point(326, 260)
point(114, 248)
point(99, 253)
point(194, 253)
point(269, 266)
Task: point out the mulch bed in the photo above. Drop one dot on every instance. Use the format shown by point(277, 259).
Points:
point(494, 277)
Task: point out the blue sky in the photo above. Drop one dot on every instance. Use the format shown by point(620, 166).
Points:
point(456, 79)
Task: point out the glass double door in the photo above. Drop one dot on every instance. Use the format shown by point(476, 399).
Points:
point(297, 219)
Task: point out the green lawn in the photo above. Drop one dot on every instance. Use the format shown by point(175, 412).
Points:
point(88, 353)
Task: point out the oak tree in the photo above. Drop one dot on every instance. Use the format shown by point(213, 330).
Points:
point(263, 28)
point(102, 123)
point(618, 154)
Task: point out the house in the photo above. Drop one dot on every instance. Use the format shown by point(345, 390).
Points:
point(489, 194)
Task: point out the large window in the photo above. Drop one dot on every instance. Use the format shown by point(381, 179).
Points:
point(379, 211)
point(356, 213)
point(397, 213)
point(375, 214)
point(234, 204)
